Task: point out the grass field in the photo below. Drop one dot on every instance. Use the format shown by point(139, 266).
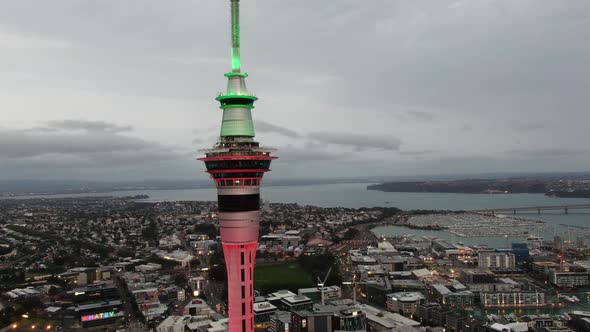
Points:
point(285, 275)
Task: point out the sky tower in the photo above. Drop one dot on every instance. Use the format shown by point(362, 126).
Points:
point(237, 163)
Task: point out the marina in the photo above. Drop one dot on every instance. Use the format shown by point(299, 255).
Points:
point(477, 225)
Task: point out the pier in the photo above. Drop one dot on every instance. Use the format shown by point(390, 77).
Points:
point(538, 209)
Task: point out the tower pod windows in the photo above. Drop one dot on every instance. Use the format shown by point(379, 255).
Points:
point(237, 164)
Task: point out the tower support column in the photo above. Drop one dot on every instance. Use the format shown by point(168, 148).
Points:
point(239, 261)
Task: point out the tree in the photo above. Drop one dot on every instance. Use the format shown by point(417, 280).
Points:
point(318, 265)
point(150, 233)
point(195, 262)
point(180, 279)
point(206, 228)
point(350, 233)
point(53, 291)
point(218, 273)
point(31, 303)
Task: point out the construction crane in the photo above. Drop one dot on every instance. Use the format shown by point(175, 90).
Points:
point(322, 283)
point(353, 284)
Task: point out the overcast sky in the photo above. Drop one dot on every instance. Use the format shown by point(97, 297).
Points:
point(118, 90)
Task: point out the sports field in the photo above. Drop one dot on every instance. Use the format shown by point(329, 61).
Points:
point(284, 275)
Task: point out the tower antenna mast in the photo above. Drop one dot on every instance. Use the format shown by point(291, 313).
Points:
point(235, 36)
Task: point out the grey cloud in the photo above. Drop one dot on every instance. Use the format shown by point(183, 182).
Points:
point(418, 152)
point(90, 126)
point(530, 126)
point(418, 116)
point(141, 158)
point(466, 127)
point(265, 127)
point(358, 142)
point(137, 165)
point(19, 144)
point(295, 155)
point(548, 153)
point(97, 149)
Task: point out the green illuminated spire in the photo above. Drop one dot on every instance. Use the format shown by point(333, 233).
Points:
point(235, 36)
point(237, 103)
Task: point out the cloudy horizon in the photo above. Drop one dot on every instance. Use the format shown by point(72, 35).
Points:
point(115, 90)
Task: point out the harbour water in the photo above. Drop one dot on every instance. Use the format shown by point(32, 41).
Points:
point(355, 195)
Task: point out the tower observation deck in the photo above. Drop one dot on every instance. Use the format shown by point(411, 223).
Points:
point(237, 164)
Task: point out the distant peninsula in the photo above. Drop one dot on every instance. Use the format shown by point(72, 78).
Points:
point(553, 188)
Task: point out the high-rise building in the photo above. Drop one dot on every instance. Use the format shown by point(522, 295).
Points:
point(559, 244)
point(499, 259)
point(237, 163)
point(580, 242)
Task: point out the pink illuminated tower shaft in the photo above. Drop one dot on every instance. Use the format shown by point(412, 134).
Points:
point(236, 164)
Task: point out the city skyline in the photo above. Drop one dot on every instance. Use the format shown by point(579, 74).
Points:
point(432, 174)
point(412, 88)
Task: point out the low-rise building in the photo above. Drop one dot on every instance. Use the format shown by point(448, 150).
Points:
point(425, 313)
point(197, 307)
point(477, 276)
point(315, 293)
point(297, 302)
point(329, 319)
point(93, 293)
point(191, 324)
point(263, 311)
point(569, 279)
point(380, 320)
point(455, 299)
point(280, 321)
point(404, 303)
point(512, 299)
point(98, 313)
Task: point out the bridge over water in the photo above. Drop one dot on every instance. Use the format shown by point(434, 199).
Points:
point(538, 209)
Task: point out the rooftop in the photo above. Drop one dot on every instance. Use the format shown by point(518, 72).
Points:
point(296, 299)
point(406, 296)
point(442, 289)
point(96, 305)
point(263, 306)
point(280, 294)
point(386, 319)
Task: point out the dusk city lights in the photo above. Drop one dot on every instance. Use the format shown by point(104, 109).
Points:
point(430, 166)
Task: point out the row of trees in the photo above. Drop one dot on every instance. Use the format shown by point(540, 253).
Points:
point(318, 265)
